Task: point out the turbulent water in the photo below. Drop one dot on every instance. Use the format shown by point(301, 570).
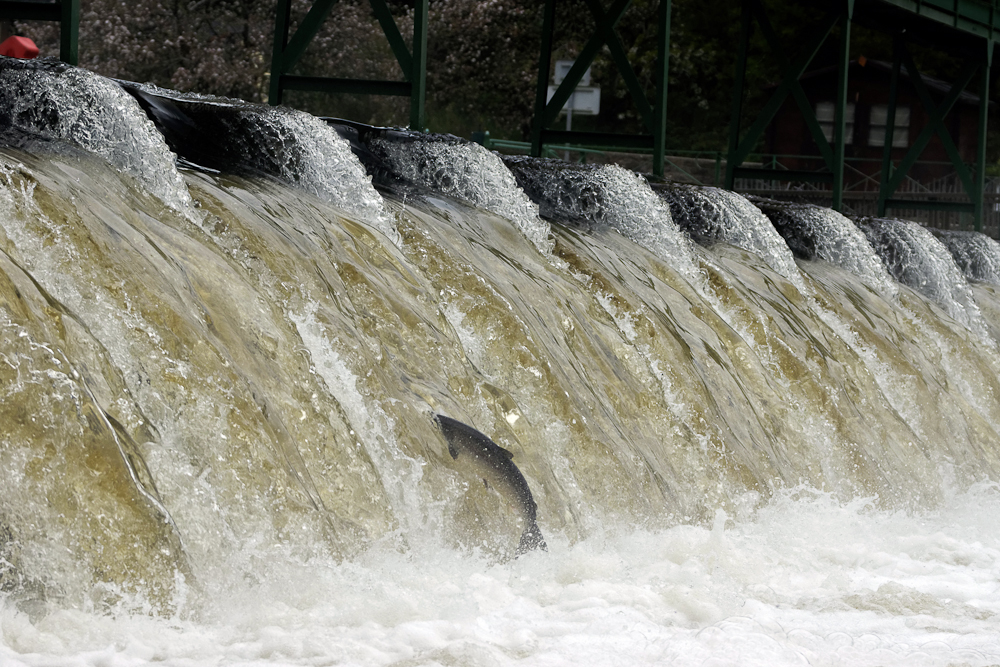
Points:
point(711, 215)
point(977, 255)
point(218, 445)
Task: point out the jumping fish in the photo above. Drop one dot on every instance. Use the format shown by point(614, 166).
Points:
point(495, 465)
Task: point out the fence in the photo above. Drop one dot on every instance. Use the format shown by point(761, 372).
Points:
point(861, 193)
point(860, 197)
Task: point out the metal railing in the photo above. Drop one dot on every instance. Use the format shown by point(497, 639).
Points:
point(861, 189)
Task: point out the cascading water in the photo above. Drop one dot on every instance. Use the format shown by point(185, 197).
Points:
point(465, 171)
point(218, 442)
point(604, 196)
point(292, 146)
point(54, 101)
point(711, 215)
point(977, 255)
point(917, 259)
point(813, 232)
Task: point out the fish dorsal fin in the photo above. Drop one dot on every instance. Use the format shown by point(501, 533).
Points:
point(506, 453)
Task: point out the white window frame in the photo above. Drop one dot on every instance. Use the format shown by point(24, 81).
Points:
point(900, 130)
point(826, 114)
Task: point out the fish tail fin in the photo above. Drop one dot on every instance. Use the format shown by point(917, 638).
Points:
point(531, 539)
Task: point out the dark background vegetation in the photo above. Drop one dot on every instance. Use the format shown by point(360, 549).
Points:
point(481, 64)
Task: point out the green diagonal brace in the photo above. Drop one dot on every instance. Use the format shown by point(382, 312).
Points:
point(790, 82)
point(937, 118)
point(621, 60)
point(308, 28)
point(808, 113)
point(286, 53)
point(392, 34)
point(935, 124)
point(583, 61)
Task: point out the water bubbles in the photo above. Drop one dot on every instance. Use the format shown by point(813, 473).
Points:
point(290, 145)
point(466, 171)
point(977, 255)
point(52, 100)
point(821, 233)
point(605, 196)
point(918, 260)
point(711, 215)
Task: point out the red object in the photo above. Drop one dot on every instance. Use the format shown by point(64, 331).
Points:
point(18, 47)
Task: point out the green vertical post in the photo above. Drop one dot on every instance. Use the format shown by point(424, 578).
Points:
point(840, 116)
point(541, 91)
point(984, 105)
point(418, 75)
point(69, 30)
point(662, 76)
point(281, 20)
point(737, 110)
point(890, 125)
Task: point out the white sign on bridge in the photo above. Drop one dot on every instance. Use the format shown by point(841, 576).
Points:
point(585, 100)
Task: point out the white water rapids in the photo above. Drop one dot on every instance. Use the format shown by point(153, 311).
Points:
point(217, 440)
point(805, 580)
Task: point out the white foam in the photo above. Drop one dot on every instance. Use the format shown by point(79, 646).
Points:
point(736, 221)
point(70, 104)
point(977, 255)
point(839, 241)
point(804, 580)
point(326, 167)
point(919, 260)
point(306, 152)
point(469, 172)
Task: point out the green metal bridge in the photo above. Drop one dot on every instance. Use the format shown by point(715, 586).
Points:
point(966, 29)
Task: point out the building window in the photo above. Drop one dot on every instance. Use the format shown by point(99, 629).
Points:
point(825, 113)
point(901, 129)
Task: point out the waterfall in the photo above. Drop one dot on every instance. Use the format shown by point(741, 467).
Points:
point(711, 215)
point(816, 232)
point(977, 255)
point(604, 196)
point(915, 258)
point(466, 171)
point(292, 146)
point(54, 101)
point(218, 434)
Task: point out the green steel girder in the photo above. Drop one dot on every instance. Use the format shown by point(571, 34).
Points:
point(741, 147)
point(984, 106)
point(653, 114)
point(66, 12)
point(969, 21)
point(972, 183)
point(974, 17)
point(287, 52)
point(579, 68)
